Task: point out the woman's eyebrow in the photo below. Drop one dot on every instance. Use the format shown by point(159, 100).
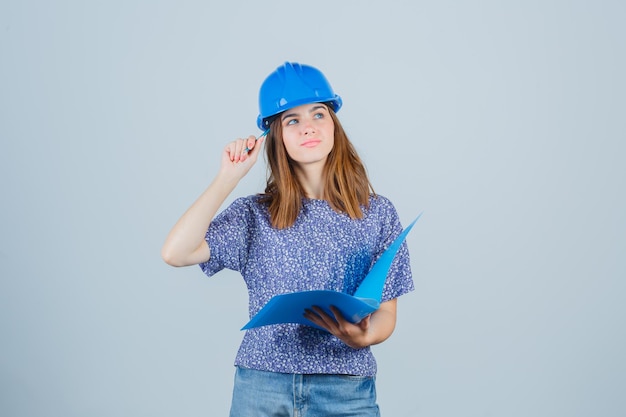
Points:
point(311, 110)
point(288, 115)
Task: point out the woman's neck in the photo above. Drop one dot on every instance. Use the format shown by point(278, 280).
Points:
point(312, 181)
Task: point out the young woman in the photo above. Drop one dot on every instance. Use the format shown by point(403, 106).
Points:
point(318, 225)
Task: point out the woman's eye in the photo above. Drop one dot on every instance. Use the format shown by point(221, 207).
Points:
point(319, 115)
point(292, 122)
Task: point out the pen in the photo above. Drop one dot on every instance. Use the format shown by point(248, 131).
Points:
point(260, 136)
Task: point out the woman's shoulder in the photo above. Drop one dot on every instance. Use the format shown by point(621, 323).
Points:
point(253, 200)
point(382, 210)
point(380, 202)
point(247, 206)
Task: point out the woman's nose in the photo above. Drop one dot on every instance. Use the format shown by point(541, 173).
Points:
point(307, 127)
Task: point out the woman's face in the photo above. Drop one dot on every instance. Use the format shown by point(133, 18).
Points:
point(308, 133)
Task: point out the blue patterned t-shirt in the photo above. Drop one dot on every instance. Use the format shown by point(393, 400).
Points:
point(325, 250)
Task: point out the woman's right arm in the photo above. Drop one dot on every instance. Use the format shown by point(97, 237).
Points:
point(185, 244)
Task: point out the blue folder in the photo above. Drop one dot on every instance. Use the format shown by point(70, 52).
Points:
point(289, 308)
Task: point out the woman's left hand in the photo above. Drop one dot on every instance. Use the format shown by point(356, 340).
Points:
point(373, 329)
point(352, 334)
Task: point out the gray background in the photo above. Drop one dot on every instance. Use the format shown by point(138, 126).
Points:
point(503, 121)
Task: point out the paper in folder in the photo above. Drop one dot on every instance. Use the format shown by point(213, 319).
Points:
point(289, 308)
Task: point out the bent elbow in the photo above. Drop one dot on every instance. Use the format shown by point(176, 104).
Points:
point(170, 258)
point(176, 258)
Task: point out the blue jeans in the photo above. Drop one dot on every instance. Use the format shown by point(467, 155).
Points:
point(271, 394)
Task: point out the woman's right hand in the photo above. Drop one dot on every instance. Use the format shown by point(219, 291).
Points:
point(239, 156)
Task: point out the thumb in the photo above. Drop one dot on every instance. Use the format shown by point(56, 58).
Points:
point(365, 323)
point(255, 145)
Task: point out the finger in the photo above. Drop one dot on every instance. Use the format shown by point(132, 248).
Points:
point(230, 151)
point(343, 324)
point(258, 145)
point(239, 146)
point(314, 318)
point(320, 312)
point(338, 316)
point(323, 318)
point(365, 323)
point(250, 143)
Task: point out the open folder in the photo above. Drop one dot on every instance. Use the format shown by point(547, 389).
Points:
point(289, 308)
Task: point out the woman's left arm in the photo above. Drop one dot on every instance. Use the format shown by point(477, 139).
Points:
point(373, 329)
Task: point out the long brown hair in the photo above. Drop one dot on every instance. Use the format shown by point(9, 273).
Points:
point(347, 187)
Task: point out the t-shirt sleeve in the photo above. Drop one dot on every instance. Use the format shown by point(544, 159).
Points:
point(399, 278)
point(227, 237)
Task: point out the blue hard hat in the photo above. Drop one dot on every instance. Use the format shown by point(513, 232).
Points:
point(292, 85)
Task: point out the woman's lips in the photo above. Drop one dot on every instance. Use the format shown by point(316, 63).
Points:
point(310, 143)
